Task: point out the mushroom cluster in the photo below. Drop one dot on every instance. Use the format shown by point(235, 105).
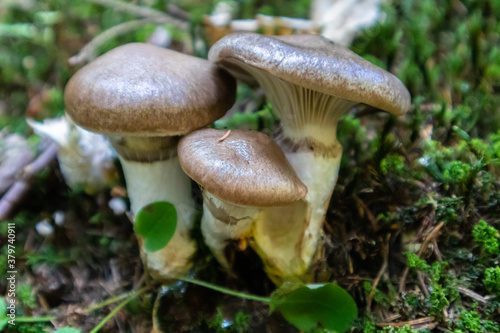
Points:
point(153, 104)
point(311, 83)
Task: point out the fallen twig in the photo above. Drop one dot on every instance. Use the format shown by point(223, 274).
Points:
point(117, 298)
point(117, 309)
point(393, 317)
point(148, 15)
point(368, 212)
point(139, 11)
point(177, 12)
point(473, 295)
point(224, 136)
point(421, 323)
point(421, 281)
point(380, 273)
point(21, 186)
point(436, 250)
point(88, 52)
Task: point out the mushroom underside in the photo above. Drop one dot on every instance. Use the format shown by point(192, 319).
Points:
point(288, 238)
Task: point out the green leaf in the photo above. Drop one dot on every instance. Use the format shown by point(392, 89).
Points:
point(68, 330)
point(156, 224)
point(315, 305)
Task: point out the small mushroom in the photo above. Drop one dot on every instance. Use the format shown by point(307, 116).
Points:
point(311, 83)
point(239, 174)
point(144, 98)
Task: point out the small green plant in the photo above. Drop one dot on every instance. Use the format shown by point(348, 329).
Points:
point(238, 325)
point(369, 326)
point(307, 306)
point(413, 261)
point(486, 237)
point(218, 323)
point(492, 280)
point(26, 296)
point(404, 329)
point(32, 328)
point(440, 296)
point(470, 321)
point(456, 172)
point(156, 224)
point(47, 255)
point(447, 208)
point(395, 164)
point(21, 323)
point(380, 295)
point(438, 301)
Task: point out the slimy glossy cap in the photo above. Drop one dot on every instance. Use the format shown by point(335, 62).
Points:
point(143, 90)
point(245, 168)
point(315, 63)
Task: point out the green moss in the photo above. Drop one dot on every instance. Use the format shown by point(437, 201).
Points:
point(220, 324)
point(404, 329)
point(438, 301)
point(381, 297)
point(456, 172)
point(241, 323)
point(492, 280)
point(413, 261)
point(395, 164)
point(47, 255)
point(471, 321)
point(486, 237)
point(26, 296)
point(369, 327)
point(447, 208)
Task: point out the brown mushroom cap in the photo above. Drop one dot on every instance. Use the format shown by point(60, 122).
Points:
point(315, 63)
point(246, 168)
point(143, 90)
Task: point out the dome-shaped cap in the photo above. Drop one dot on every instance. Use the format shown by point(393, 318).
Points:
point(246, 168)
point(315, 63)
point(140, 89)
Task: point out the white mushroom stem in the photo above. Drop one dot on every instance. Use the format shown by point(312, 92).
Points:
point(223, 221)
point(309, 141)
point(287, 238)
point(148, 182)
